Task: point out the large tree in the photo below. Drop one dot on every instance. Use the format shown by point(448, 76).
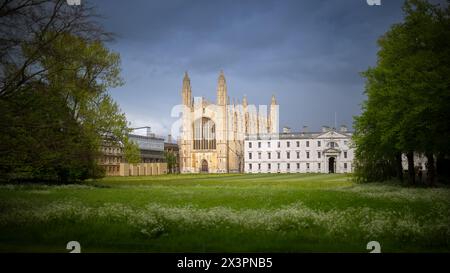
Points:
point(407, 94)
point(41, 141)
point(54, 95)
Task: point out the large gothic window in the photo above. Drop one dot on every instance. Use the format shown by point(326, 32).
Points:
point(204, 134)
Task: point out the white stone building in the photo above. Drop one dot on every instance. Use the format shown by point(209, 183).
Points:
point(329, 151)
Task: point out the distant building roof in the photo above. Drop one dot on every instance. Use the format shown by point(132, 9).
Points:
point(295, 135)
point(151, 143)
point(153, 136)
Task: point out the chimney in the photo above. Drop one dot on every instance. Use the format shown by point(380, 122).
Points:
point(325, 129)
point(305, 129)
point(169, 138)
point(343, 128)
point(286, 130)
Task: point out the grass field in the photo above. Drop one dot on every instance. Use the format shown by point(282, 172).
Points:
point(224, 213)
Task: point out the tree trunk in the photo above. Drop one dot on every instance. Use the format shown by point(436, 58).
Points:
point(431, 170)
point(443, 168)
point(399, 167)
point(411, 174)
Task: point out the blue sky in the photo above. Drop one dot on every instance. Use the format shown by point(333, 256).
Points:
point(308, 53)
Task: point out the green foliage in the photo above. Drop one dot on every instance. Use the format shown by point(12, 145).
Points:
point(131, 151)
point(54, 128)
point(408, 93)
point(171, 160)
point(40, 140)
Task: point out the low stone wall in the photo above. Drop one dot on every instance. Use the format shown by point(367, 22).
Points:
point(142, 169)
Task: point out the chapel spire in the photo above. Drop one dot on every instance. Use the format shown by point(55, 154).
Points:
point(244, 101)
point(221, 90)
point(186, 92)
point(274, 101)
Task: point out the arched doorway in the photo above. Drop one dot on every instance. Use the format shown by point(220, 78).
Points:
point(331, 162)
point(204, 168)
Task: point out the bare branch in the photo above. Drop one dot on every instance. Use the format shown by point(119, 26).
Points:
point(36, 24)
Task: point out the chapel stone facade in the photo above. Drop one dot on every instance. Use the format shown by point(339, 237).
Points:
point(212, 134)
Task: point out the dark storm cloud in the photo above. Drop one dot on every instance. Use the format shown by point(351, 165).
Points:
point(308, 53)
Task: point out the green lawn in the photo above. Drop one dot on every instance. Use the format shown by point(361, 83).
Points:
point(224, 213)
